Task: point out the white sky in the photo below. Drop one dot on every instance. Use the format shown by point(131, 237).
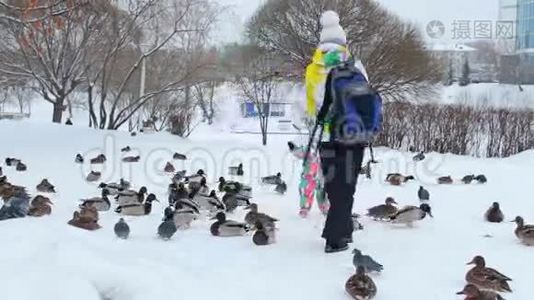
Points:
point(418, 11)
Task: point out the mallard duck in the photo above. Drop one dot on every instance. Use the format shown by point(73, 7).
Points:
point(179, 156)
point(230, 202)
point(12, 162)
point(423, 194)
point(137, 209)
point(254, 216)
point(263, 236)
point(167, 229)
point(209, 202)
point(236, 171)
point(21, 167)
point(122, 230)
point(17, 203)
point(273, 179)
point(131, 196)
point(126, 149)
point(525, 233)
point(114, 188)
point(398, 179)
point(244, 191)
point(188, 203)
point(410, 214)
point(468, 179)
point(169, 168)
point(481, 179)
point(183, 216)
point(360, 286)
point(281, 188)
point(227, 228)
point(177, 192)
point(494, 214)
point(200, 188)
point(445, 180)
point(383, 211)
point(360, 260)
point(86, 219)
point(197, 177)
point(179, 177)
point(472, 292)
point(487, 278)
point(79, 159)
point(419, 157)
point(131, 159)
point(100, 203)
point(100, 159)
point(45, 187)
point(93, 176)
point(40, 206)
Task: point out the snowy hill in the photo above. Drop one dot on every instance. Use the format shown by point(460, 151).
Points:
point(44, 258)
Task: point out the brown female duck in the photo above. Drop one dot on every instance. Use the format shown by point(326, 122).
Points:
point(525, 233)
point(487, 278)
point(360, 286)
point(494, 214)
point(40, 206)
point(472, 292)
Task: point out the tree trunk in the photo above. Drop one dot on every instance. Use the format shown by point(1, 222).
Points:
point(58, 111)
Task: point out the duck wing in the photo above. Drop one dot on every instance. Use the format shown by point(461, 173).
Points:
point(492, 273)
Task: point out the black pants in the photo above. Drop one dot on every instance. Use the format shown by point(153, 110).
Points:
point(341, 165)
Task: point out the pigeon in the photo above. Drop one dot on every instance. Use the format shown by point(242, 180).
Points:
point(167, 229)
point(122, 230)
point(419, 157)
point(17, 206)
point(365, 261)
point(423, 194)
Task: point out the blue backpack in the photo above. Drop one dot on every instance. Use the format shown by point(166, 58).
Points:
point(356, 109)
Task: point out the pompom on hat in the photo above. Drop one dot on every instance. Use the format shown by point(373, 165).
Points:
point(331, 31)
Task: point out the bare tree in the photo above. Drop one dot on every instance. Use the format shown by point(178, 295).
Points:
point(50, 49)
point(258, 84)
point(175, 27)
point(392, 50)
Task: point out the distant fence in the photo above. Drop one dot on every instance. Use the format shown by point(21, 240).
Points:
point(457, 129)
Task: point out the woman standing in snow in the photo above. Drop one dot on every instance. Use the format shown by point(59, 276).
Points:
point(340, 163)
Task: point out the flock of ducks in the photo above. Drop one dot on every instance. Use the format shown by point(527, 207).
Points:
point(483, 283)
point(190, 199)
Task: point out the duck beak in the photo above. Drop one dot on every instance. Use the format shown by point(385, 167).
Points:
point(460, 293)
point(470, 263)
point(213, 218)
point(430, 214)
point(247, 207)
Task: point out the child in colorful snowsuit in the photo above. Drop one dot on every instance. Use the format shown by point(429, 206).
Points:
point(311, 182)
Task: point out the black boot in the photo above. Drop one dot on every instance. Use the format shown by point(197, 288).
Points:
point(336, 247)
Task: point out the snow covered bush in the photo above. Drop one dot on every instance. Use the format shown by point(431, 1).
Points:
point(457, 129)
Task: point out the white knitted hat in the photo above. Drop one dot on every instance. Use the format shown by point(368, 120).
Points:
point(331, 31)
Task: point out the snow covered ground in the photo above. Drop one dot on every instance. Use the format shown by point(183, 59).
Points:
point(44, 258)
